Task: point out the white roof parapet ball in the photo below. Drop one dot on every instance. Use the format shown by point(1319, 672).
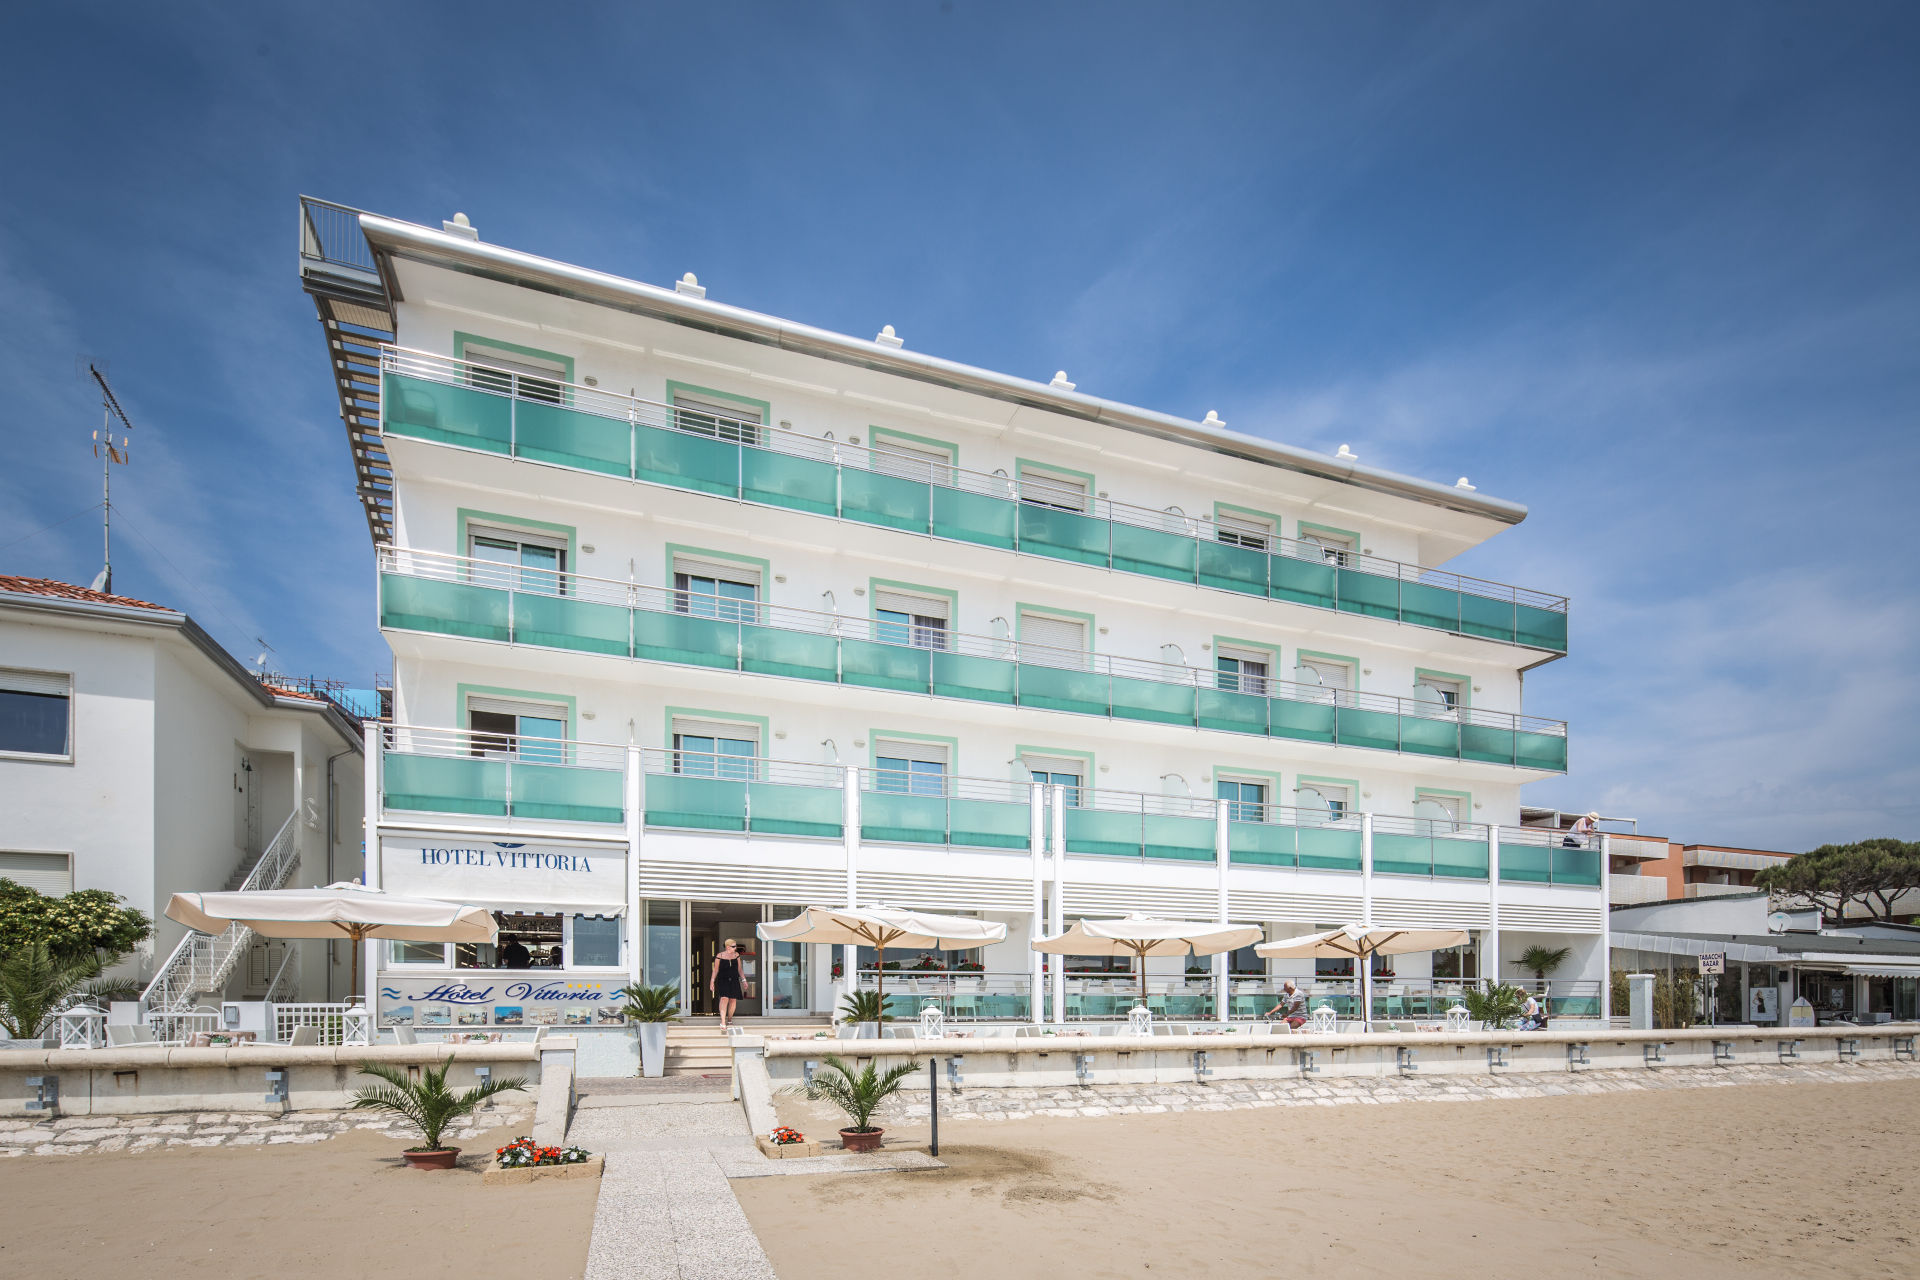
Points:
point(1347, 455)
point(690, 285)
point(1212, 419)
point(460, 227)
point(1060, 381)
point(1461, 483)
point(887, 337)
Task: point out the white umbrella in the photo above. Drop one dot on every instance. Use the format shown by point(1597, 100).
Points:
point(880, 928)
point(1361, 942)
point(344, 910)
point(1142, 936)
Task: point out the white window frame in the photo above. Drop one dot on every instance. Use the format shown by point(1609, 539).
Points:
point(920, 610)
point(1326, 692)
point(519, 366)
point(48, 683)
point(1047, 655)
point(915, 751)
point(921, 464)
point(518, 708)
point(1251, 532)
point(1260, 685)
point(525, 538)
point(1266, 786)
point(63, 854)
point(1055, 489)
point(744, 416)
point(1345, 798)
point(1335, 548)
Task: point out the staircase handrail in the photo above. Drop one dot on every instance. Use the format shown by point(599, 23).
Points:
point(185, 974)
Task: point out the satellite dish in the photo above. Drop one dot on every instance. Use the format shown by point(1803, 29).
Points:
point(1778, 922)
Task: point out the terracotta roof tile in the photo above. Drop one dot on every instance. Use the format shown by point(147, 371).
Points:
point(67, 591)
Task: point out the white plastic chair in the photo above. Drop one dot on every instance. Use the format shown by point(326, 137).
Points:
point(304, 1036)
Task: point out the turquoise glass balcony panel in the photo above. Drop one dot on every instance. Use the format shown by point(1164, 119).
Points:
point(703, 804)
point(1480, 616)
point(1179, 839)
point(1063, 690)
point(1540, 751)
point(679, 637)
point(1152, 700)
point(957, 675)
point(885, 666)
point(561, 622)
point(973, 517)
point(788, 653)
point(1429, 606)
point(782, 480)
point(1354, 727)
point(897, 503)
point(1430, 737)
point(445, 784)
point(1527, 863)
point(1368, 593)
point(1460, 857)
point(1575, 866)
point(1265, 844)
point(556, 433)
point(448, 414)
point(1154, 552)
point(1065, 535)
point(990, 824)
point(1103, 831)
point(450, 608)
point(1330, 848)
point(567, 794)
point(906, 819)
point(1233, 568)
point(1234, 712)
point(1546, 628)
point(780, 809)
point(1302, 581)
point(1308, 721)
point(1486, 743)
point(1402, 855)
point(686, 461)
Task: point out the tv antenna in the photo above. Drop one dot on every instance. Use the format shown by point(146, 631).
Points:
point(109, 453)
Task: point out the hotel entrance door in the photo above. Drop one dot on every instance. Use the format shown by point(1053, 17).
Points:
point(710, 925)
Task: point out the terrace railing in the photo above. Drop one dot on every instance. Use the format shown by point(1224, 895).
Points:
point(477, 406)
point(202, 962)
point(498, 775)
point(481, 599)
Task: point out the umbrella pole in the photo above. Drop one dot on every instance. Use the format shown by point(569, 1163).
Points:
point(1140, 954)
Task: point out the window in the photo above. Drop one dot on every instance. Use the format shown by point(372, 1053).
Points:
point(1246, 801)
point(1323, 679)
point(48, 873)
point(1053, 642)
point(1323, 801)
point(1242, 670)
point(428, 953)
point(920, 464)
point(1243, 531)
point(721, 419)
point(911, 768)
point(501, 728)
point(715, 749)
point(716, 589)
point(1050, 771)
point(595, 942)
point(1058, 490)
point(1326, 544)
point(1438, 695)
point(36, 712)
point(528, 561)
point(919, 621)
point(1439, 812)
point(513, 374)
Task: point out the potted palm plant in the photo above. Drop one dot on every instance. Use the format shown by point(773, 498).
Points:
point(859, 1095)
point(652, 1008)
point(428, 1105)
point(37, 983)
point(1494, 1005)
point(864, 1011)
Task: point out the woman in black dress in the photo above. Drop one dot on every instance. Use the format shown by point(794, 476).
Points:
point(725, 982)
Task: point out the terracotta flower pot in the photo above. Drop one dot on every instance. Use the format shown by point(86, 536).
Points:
point(854, 1140)
point(445, 1158)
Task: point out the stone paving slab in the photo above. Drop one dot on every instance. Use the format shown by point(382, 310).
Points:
point(735, 1164)
point(81, 1135)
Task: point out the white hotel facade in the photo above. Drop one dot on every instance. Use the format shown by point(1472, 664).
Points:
point(700, 615)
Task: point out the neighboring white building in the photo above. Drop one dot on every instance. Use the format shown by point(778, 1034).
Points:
point(137, 756)
point(700, 615)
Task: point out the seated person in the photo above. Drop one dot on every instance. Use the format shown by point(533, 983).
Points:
point(1532, 1016)
point(1291, 1007)
point(553, 957)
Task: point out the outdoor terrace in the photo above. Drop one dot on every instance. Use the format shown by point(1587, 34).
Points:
point(456, 402)
point(460, 596)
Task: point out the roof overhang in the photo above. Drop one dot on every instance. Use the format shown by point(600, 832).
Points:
point(406, 240)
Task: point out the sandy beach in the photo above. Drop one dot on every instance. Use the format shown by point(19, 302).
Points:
point(1760, 1180)
point(344, 1207)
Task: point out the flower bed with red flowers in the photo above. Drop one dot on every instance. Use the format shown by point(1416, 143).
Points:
point(786, 1137)
point(521, 1153)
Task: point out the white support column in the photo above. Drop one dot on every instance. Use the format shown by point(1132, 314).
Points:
point(636, 824)
point(370, 872)
point(1222, 857)
point(1606, 928)
point(1057, 804)
point(1366, 868)
point(1037, 850)
point(1491, 955)
point(850, 848)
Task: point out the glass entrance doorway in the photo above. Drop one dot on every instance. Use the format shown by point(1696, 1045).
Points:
point(710, 924)
point(683, 938)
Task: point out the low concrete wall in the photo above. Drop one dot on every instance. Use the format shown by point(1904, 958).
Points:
point(1062, 1060)
point(151, 1079)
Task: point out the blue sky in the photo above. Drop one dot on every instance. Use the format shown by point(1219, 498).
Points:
point(1653, 270)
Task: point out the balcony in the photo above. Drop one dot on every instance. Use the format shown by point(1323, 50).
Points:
point(458, 596)
point(454, 771)
point(431, 397)
point(1703, 890)
point(1536, 855)
point(1623, 890)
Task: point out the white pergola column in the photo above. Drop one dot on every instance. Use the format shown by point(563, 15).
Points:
point(1037, 851)
point(370, 873)
point(1222, 856)
point(1493, 907)
point(636, 824)
point(1058, 843)
point(1366, 868)
point(1606, 927)
point(850, 848)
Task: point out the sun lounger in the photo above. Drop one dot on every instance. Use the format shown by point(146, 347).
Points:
point(122, 1034)
point(304, 1036)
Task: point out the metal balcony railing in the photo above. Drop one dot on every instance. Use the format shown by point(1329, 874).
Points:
point(473, 405)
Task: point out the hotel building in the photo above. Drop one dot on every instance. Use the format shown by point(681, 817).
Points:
point(699, 615)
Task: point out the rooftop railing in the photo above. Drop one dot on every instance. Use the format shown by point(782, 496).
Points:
point(458, 402)
point(480, 599)
point(330, 233)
